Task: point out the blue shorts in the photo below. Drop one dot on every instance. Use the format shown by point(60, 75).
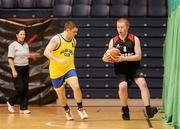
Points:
point(59, 82)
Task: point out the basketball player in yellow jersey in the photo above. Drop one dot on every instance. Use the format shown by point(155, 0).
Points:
point(60, 52)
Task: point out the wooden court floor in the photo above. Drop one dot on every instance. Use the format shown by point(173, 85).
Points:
point(52, 117)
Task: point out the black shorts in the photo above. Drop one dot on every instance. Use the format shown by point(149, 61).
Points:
point(129, 76)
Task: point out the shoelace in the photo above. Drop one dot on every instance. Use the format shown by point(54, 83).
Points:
point(82, 111)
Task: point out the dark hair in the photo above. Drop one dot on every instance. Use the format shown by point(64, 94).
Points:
point(70, 25)
point(20, 29)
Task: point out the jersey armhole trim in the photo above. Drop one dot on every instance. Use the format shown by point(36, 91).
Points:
point(59, 43)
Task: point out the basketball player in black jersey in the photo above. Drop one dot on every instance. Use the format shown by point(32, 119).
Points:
point(127, 67)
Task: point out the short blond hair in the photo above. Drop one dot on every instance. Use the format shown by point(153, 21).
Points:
point(70, 25)
point(124, 20)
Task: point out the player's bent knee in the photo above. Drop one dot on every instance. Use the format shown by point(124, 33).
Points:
point(122, 87)
point(76, 88)
point(141, 81)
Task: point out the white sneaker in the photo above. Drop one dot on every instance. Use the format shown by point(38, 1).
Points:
point(82, 113)
point(10, 108)
point(24, 111)
point(69, 115)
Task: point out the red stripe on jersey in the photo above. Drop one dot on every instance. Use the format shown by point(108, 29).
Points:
point(131, 37)
point(115, 39)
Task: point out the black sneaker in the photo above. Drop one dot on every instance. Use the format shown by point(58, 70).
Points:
point(151, 112)
point(125, 114)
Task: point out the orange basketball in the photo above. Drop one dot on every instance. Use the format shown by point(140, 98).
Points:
point(114, 52)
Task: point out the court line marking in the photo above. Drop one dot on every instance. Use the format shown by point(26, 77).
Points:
point(75, 126)
point(148, 120)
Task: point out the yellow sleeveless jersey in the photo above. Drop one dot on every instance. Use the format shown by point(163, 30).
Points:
point(65, 51)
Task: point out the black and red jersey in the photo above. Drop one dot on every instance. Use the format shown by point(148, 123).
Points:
point(126, 48)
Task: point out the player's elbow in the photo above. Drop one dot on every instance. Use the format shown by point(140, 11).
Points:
point(139, 58)
point(45, 53)
point(103, 59)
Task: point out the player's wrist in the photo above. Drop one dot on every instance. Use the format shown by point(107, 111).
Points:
point(122, 58)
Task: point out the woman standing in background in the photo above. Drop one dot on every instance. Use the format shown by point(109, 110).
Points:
point(18, 59)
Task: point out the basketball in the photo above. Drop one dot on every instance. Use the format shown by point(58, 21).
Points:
point(113, 52)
